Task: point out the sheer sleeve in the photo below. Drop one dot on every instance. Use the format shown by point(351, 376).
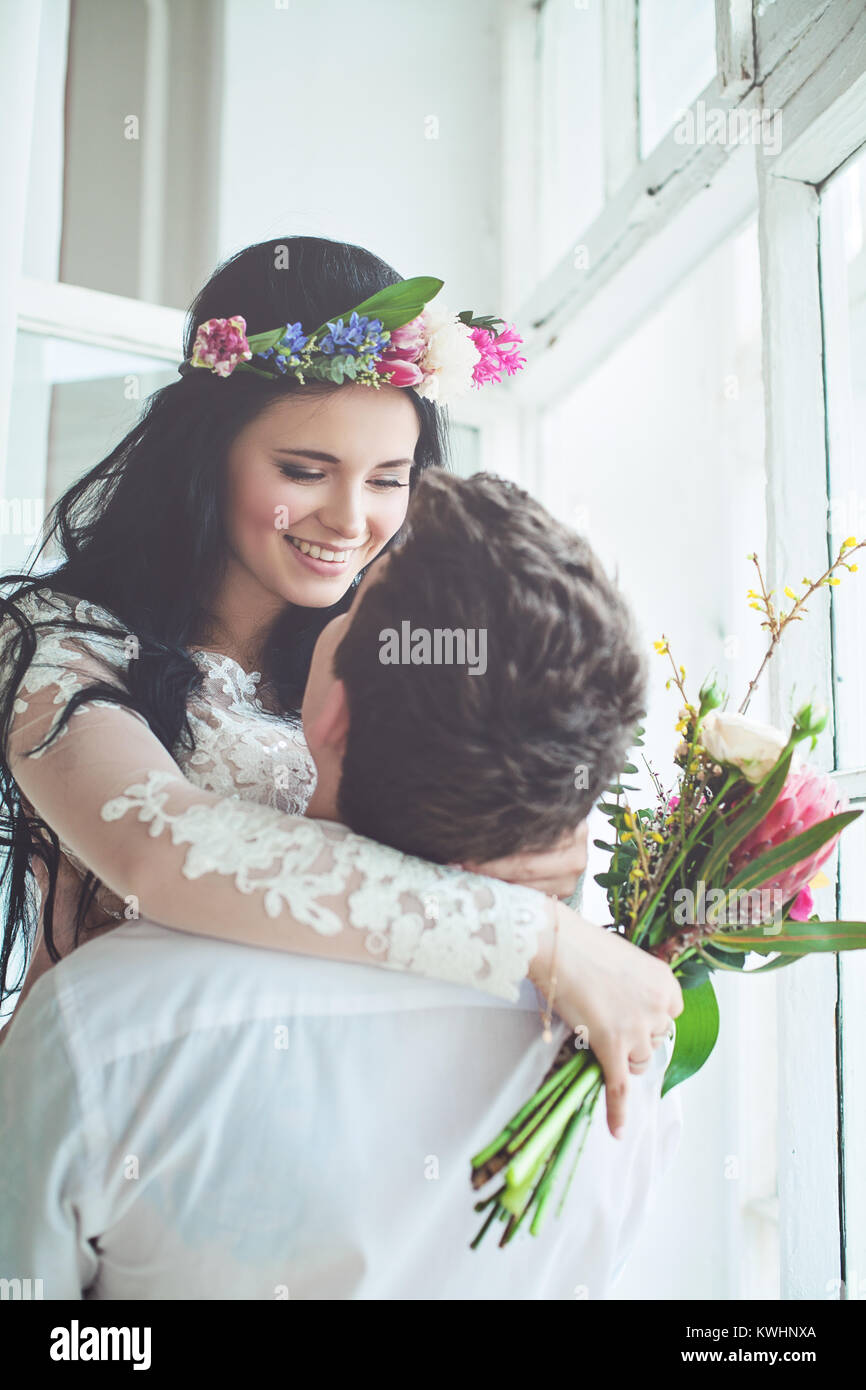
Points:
point(220, 866)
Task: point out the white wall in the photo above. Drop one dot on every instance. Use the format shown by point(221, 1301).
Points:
point(326, 117)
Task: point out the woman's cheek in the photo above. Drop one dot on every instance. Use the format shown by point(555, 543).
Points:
point(390, 514)
point(285, 509)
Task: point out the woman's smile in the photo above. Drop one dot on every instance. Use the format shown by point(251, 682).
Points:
point(324, 476)
point(321, 558)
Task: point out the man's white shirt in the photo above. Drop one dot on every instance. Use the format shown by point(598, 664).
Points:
point(187, 1118)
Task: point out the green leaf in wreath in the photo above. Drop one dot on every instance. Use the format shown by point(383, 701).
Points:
point(396, 304)
point(259, 342)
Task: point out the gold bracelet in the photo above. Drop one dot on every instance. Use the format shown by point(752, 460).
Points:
point(547, 1016)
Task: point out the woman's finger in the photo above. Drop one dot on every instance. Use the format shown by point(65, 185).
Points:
point(614, 1066)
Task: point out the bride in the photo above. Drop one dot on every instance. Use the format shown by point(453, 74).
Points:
point(175, 638)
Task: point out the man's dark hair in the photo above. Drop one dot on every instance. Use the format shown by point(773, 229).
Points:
point(456, 765)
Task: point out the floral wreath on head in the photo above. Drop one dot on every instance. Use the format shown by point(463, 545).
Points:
point(394, 337)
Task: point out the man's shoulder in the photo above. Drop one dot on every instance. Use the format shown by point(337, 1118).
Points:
point(143, 984)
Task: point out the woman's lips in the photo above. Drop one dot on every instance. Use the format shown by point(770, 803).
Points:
point(325, 567)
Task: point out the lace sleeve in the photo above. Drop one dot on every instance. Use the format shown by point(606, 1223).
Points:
point(66, 657)
point(219, 866)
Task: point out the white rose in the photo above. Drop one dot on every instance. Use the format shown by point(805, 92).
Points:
point(449, 359)
point(742, 743)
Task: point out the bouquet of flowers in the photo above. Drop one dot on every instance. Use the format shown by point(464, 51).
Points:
point(715, 873)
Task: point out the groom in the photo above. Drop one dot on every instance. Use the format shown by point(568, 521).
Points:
point(483, 689)
point(299, 1128)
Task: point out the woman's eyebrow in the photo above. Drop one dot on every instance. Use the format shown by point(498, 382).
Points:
point(319, 457)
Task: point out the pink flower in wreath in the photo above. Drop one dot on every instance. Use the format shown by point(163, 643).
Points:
point(221, 344)
point(399, 360)
point(408, 341)
point(508, 346)
point(399, 372)
point(498, 354)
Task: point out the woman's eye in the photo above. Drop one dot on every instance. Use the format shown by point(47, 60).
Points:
point(307, 475)
point(300, 475)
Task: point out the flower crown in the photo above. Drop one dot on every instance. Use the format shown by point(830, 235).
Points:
point(393, 337)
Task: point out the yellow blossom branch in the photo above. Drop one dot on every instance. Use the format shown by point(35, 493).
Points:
point(777, 622)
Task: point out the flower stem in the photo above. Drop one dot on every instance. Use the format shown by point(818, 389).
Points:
point(528, 1156)
point(495, 1155)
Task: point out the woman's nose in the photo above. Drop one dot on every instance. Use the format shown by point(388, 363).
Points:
point(345, 515)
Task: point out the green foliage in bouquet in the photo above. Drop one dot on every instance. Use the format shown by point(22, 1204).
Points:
point(679, 877)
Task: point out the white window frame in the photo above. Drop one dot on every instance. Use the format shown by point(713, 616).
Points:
point(663, 217)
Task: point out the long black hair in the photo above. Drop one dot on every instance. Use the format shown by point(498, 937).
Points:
point(142, 535)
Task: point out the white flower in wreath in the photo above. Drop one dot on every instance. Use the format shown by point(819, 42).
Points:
point(449, 358)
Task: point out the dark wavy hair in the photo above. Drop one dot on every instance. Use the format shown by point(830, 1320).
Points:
point(141, 534)
point(528, 693)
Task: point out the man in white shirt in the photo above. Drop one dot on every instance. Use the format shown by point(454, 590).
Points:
point(185, 1118)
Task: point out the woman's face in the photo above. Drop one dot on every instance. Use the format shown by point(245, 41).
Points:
point(316, 486)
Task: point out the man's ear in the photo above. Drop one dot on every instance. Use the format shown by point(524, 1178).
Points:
point(331, 725)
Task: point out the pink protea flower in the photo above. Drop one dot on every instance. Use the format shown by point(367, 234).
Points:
point(221, 344)
point(497, 354)
point(808, 796)
point(803, 905)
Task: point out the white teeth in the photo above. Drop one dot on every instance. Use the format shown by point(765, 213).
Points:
point(318, 552)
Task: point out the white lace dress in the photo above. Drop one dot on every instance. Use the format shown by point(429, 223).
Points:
point(122, 806)
point(334, 1163)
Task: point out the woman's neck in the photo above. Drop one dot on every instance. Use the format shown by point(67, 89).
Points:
point(240, 616)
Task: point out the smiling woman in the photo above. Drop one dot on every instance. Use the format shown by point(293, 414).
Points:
point(187, 534)
point(316, 485)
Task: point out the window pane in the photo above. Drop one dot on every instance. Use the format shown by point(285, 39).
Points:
point(465, 449)
point(843, 265)
point(677, 61)
point(570, 143)
point(658, 457)
point(71, 404)
point(843, 275)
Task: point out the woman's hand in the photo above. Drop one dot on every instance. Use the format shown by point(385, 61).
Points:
point(626, 998)
point(554, 871)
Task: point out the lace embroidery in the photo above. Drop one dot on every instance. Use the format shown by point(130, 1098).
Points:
point(241, 748)
point(60, 650)
point(418, 917)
